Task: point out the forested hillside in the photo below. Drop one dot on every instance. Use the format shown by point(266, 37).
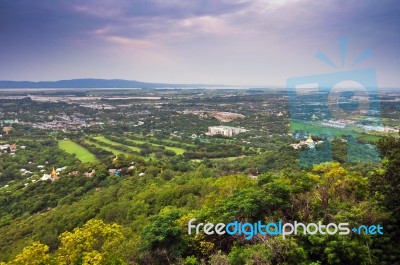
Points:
point(142, 218)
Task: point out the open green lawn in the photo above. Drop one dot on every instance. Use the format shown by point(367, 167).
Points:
point(369, 137)
point(229, 158)
point(73, 148)
point(138, 141)
point(176, 150)
point(114, 151)
point(175, 142)
point(318, 130)
point(105, 140)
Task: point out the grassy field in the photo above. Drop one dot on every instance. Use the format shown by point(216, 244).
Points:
point(176, 150)
point(73, 148)
point(318, 130)
point(369, 137)
point(229, 158)
point(175, 142)
point(105, 140)
point(138, 141)
point(114, 151)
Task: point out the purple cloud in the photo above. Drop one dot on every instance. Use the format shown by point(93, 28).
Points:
point(216, 41)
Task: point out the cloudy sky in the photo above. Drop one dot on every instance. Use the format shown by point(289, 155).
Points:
point(237, 42)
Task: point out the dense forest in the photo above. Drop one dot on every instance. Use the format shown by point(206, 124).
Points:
point(137, 218)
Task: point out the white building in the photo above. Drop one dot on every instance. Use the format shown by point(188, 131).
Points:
point(224, 130)
point(334, 124)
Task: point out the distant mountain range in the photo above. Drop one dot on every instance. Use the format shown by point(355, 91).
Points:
point(92, 83)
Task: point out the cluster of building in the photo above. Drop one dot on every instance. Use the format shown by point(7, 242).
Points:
point(8, 128)
point(97, 106)
point(64, 122)
point(371, 128)
point(66, 99)
point(60, 125)
point(8, 122)
point(310, 143)
point(226, 116)
point(342, 123)
point(334, 124)
point(219, 115)
point(9, 149)
point(53, 175)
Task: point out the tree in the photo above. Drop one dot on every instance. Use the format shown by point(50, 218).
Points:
point(164, 235)
point(250, 204)
point(35, 254)
point(387, 183)
point(152, 171)
point(328, 176)
point(94, 243)
point(254, 254)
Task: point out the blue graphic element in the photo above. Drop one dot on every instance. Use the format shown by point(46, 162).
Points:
point(343, 50)
point(343, 53)
point(362, 57)
point(368, 230)
point(340, 104)
point(322, 57)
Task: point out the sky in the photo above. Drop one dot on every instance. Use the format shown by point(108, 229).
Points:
point(232, 42)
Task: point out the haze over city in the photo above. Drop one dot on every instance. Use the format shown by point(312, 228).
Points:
point(236, 42)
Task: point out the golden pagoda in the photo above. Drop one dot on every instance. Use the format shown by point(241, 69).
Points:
point(309, 140)
point(54, 173)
